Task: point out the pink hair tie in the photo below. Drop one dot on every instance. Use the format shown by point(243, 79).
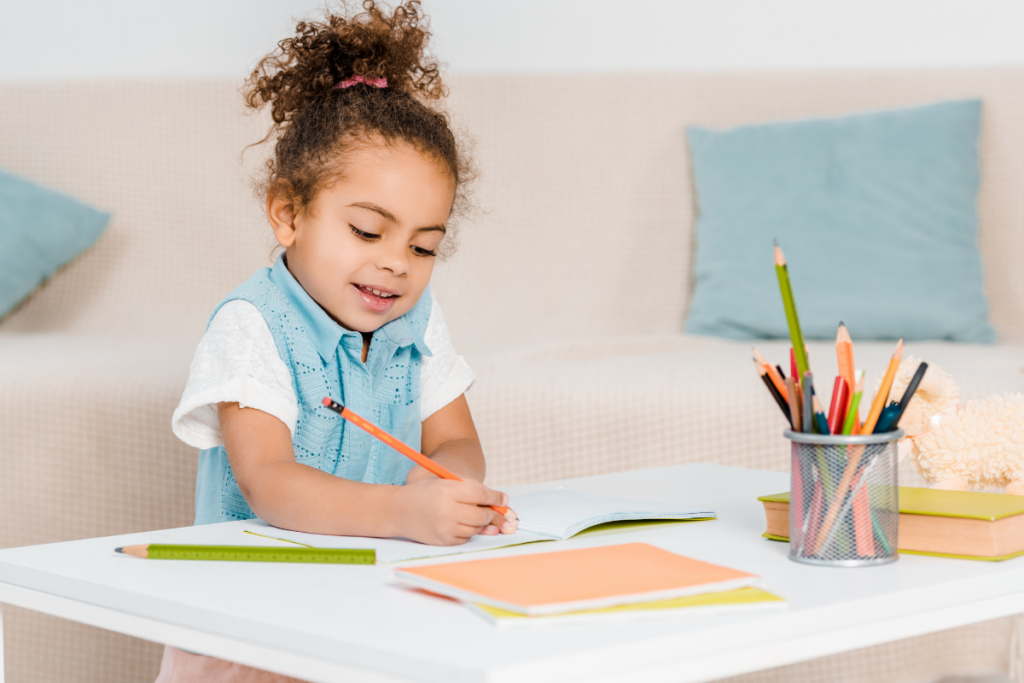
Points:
point(375, 82)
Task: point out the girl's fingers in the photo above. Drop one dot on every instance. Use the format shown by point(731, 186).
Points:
point(472, 493)
point(490, 530)
point(464, 532)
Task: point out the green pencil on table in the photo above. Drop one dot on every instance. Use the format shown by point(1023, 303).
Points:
point(259, 553)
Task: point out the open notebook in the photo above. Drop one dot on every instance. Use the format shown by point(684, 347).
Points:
point(555, 514)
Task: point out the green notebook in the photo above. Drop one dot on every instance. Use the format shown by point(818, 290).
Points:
point(965, 504)
point(986, 508)
point(741, 600)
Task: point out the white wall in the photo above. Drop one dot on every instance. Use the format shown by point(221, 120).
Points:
point(186, 38)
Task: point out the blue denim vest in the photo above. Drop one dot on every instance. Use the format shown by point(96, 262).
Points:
point(325, 359)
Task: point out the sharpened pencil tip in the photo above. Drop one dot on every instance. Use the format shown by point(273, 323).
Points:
point(118, 550)
point(775, 242)
point(779, 257)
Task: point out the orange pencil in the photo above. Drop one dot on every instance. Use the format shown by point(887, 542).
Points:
point(883, 390)
point(773, 374)
point(415, 456)
point(847, 369)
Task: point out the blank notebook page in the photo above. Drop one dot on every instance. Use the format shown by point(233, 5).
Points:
point(562, 513)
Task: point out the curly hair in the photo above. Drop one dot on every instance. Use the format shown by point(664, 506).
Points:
point(316, 123)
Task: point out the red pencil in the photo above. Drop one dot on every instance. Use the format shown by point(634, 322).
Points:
point(840, 402)
point(415, 456)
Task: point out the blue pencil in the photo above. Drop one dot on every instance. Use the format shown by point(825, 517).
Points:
point(820, 421)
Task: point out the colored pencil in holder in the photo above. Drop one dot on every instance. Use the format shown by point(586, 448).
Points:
point(883, 391)
point(807, 387)
point(840, 402)
point(844, 360)
point(862, 526)
point(820, 421)
point(852, 412)
point(772, 373)
point(890, 419)
point(795, 408)
point(789, 304)
point(782, 403)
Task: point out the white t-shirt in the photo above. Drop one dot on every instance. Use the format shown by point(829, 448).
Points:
point(237, 361)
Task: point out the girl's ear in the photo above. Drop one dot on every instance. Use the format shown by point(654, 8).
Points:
point(281, 214)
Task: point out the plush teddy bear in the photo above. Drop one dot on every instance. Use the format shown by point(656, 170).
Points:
point(962, 446)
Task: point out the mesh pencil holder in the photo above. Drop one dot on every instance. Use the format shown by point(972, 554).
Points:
point(844, 501)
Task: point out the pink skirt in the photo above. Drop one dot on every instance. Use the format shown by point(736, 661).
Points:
point(179, 666)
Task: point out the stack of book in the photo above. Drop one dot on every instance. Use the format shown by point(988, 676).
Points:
point(630, 580)
point(963, 524)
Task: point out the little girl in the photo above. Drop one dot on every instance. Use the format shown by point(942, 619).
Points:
point(359, 192)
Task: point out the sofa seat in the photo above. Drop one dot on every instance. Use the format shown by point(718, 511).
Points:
point(86, 450)
point(581, 408)
point(86, 431)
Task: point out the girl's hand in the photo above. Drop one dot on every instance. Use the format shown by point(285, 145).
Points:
point(442, 512)
point(500, 525)
point(503, 525)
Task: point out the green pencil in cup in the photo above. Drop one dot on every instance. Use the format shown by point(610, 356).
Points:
point(852, 412)
point(799, 351)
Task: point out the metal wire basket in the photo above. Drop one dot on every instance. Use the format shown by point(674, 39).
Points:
point(844, 501)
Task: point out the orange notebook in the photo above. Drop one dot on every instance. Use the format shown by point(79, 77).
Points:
point(570, 580)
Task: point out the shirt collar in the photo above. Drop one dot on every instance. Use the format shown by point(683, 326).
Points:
point(321, 328)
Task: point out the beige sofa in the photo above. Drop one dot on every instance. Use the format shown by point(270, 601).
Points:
point(567, 296)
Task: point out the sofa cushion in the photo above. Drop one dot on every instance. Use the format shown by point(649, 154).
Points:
point(40, 230)
point(876, 213)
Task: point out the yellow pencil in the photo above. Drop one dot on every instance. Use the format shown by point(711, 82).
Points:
point(797, 337)
point(883, 390)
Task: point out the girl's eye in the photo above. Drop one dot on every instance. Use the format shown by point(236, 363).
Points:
point(420, 251)
point(369, 236)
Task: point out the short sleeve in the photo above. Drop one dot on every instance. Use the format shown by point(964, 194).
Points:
point(445, 375)
point(236, 361)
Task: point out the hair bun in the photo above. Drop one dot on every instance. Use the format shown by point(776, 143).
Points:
point(371, 44)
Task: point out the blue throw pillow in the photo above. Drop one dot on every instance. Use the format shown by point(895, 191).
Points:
point(875, 212)
point(40, 230)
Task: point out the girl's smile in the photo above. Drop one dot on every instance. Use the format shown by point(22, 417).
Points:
point(364, 249)
point(376, 299)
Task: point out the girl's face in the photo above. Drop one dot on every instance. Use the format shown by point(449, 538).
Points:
point(365, 248)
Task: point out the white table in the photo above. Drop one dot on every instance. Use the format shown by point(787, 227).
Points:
point(349, 623)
